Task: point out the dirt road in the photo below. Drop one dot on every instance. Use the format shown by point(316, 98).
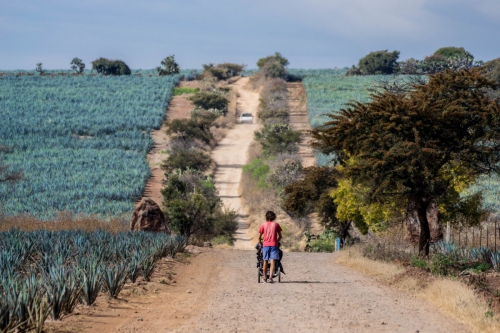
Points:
point(230, 156)
point(217, 291)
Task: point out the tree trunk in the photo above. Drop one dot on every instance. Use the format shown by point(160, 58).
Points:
point(425, 232)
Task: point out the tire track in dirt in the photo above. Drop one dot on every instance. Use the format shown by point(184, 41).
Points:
point(230, 156)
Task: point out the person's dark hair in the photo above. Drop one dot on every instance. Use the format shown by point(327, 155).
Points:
point(270, 216)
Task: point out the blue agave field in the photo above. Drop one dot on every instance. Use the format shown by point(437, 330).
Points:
point(80, 140)
point(47, 273)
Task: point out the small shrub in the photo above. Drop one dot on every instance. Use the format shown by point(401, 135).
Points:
point(187, 159)
point(274, 69)
point(276, 57)
point(207, 100)
point(440, 265)
point(278, 138)
point(185, 90)
point(258, 170)
point(189, 129)
point(222, 71)
point(225, 224)
point(419, 262)
point(168, 66)
point(285, 169)
point(110, 67)
point(379, 62)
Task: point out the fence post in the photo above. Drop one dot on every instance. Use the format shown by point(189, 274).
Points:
point(337, 244)
point(480, 234)
point(448, 232)
point(487, 236)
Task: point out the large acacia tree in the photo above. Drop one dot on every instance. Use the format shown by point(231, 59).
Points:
point(408, 148)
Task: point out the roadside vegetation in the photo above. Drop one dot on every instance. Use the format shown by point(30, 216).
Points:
point(273, 160)
point(191, 205)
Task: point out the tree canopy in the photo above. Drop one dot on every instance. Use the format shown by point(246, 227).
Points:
point(409, 149)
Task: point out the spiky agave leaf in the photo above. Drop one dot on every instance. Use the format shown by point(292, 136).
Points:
point(114, 278)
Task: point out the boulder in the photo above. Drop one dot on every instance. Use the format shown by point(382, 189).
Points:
point(148, 216)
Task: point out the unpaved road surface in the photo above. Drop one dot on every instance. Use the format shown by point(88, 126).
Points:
point(217, 291)
point(230, 156)
point(317, 295)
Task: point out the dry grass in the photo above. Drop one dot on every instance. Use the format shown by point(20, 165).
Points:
point(64, 221)
point(451, 296)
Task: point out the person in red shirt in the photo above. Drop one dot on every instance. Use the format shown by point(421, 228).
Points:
point(271, 232)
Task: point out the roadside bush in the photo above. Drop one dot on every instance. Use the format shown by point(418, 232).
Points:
point(276, 57)
point(189, 129)
point(258, 170)
point(185, 90)
point(209, 100)
point(284, 170)
point(110, 67)
point(273, 102)
point(168, 66)
point(225, 224)
point(184, 159)
point(379, 62)
point(278, 138)
point(325, 242)
point(222, 71)
point(191, 202)
point(274, 69)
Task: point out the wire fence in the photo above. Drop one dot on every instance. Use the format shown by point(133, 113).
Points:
point(487, 234)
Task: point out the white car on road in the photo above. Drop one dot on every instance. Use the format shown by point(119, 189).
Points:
point(245, 118)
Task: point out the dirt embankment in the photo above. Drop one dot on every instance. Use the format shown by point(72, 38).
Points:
point(299, 121)
point(179, 108)
point(218, 291)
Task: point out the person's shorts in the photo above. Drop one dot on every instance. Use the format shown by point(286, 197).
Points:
point(270, 252)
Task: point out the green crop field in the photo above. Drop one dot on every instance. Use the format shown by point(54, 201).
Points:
point(80, 140)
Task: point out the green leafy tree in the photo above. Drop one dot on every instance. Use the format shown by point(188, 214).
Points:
point(168, 66)
point(403, 146)
point(379, 62)
point(209, 100)
point(222, 71)
point(77, 65)
point(39, 68)
point(110, 67)
point(276, 57)
point(453, 52)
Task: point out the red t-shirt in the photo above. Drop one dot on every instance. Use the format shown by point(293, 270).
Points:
point(270, 231)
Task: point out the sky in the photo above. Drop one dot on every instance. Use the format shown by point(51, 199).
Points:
point(310, 33)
